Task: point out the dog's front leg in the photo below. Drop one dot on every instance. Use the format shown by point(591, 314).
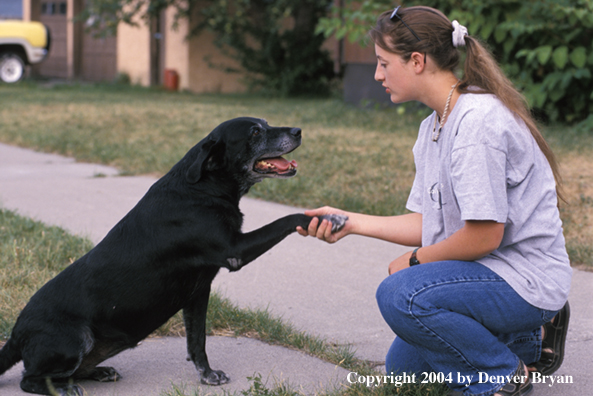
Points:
point(247, 247)
point(194, 316)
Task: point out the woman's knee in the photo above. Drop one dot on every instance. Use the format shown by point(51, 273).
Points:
point(391, 298)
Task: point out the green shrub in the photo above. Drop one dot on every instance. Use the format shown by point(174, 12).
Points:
point(544, 46)
point(274, 42)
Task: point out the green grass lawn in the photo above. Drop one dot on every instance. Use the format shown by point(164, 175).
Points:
point(355, 159)
point(30, 255)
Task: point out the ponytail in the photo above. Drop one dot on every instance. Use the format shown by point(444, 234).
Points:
point(481, 70)
point(427, 30)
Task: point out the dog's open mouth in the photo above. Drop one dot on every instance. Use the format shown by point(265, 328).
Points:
point(277, 165)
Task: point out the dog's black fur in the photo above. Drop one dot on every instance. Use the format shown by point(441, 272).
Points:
point(159, 259)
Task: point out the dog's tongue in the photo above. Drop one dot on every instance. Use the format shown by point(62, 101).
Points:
point(281, 164)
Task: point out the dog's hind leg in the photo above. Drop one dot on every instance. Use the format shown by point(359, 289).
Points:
point(48, 386)
point(194, 316)
point(51, 358)
point(102, 350)
point(101, 374)
point(49, 372)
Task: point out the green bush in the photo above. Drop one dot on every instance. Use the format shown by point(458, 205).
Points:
point(544, 46)
point(274, 42)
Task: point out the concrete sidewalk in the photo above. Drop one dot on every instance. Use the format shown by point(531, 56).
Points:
point(325, 290)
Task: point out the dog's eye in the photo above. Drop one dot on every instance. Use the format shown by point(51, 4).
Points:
point(255, 131)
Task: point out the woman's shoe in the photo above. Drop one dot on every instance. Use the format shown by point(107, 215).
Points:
point(520, 383)
point(553, 343)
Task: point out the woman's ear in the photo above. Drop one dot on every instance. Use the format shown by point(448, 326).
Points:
point(418, 60)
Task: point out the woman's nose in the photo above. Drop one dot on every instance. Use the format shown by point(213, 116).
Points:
point(378, 74)
point(378, 77)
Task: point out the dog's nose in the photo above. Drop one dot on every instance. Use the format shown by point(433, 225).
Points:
point(296, 132)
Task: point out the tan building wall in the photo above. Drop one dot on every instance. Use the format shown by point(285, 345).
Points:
point(133, 52)
point(187, 56)
point(206, 78)
point(177, 48)
point(29, 10)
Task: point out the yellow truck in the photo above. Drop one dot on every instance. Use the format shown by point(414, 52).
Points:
point(21, 44)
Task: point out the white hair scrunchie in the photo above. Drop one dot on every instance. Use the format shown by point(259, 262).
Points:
point(459, 33)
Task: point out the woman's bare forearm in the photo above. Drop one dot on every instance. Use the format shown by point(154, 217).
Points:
point(472, 242)
point(403, 229)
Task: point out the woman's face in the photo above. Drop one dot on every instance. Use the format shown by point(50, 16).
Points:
point(395, 75)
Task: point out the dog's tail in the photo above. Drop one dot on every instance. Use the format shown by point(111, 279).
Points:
point(10, 355)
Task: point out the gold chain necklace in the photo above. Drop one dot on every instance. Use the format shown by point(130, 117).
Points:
point(435, 137)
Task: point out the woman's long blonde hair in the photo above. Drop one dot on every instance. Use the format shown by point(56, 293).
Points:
point(480, 69)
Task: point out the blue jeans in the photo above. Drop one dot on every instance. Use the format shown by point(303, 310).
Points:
point(460, 319)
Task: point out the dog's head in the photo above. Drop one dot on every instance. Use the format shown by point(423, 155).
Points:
point(247, 150)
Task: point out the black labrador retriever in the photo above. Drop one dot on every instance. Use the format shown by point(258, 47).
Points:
point(159, 259)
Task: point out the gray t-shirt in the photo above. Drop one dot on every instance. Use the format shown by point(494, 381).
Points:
point(487, 166)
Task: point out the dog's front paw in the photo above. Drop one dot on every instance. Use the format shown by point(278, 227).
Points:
point(215, 377)
point(338, 221)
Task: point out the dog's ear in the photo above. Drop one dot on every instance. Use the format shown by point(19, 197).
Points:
point(206, 159)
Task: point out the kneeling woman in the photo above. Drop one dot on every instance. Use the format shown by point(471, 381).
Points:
point(492, 270)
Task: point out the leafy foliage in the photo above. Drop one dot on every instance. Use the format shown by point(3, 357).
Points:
point(274, 41)
point(544, 46)
point(103, 16)
point(353, 20)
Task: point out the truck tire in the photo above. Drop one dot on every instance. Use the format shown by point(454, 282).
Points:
point(12, 67)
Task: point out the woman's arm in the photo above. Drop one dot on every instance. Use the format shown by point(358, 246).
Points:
point(404, 229)
point(472, 242)
point(475, 240)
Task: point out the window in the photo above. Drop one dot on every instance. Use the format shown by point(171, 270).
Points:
point(48, 8)
point(54, 8)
